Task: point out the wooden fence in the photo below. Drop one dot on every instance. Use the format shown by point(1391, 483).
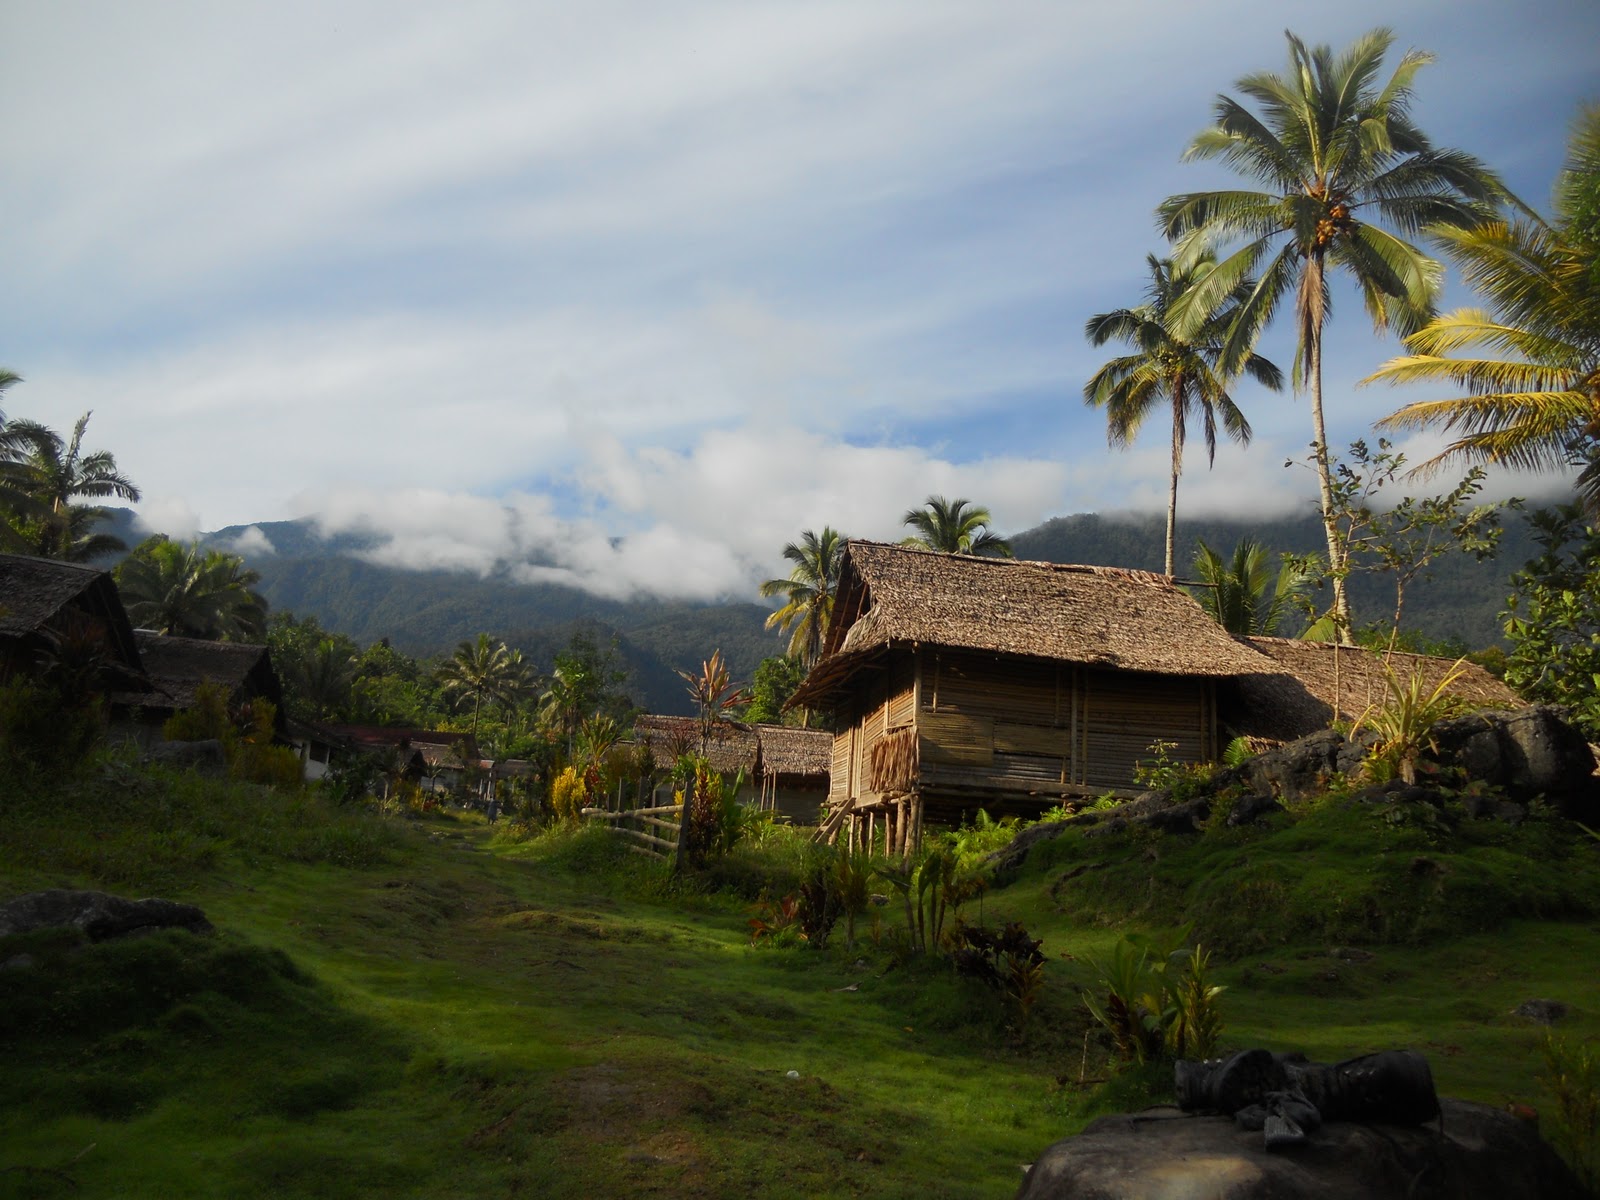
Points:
point(635, 824)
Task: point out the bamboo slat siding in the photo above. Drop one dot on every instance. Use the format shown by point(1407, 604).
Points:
point(1025, 726)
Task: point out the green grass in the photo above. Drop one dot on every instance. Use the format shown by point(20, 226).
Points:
point(420, 1008)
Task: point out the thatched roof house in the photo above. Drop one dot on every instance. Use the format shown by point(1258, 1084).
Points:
point(1312, 684)
point(177, 667)
point(42, 600)
point(957, 681)
point(1096, 616)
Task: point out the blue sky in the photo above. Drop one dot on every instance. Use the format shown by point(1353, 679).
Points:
point(507, 278)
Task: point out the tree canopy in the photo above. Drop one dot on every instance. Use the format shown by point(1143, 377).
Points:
point(1183, 372)
point(1529, 363)
point(955, 527)
point(189, 591)
point(1344, 176)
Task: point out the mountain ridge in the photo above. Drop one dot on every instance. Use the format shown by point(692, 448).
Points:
point(428, 612)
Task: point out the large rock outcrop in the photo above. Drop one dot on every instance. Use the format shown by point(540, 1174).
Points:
point(1524, 754)
point(99, 915)
point(1482, 1153)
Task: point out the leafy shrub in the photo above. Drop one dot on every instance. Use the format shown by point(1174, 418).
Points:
point(1157, 1001)
point(40, 729)
point(567, 795)
point(1159, 773)
point(1404, 722)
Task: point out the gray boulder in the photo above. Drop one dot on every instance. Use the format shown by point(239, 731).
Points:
point(1483, 1153)
point(1526, 752)
point(99, 915)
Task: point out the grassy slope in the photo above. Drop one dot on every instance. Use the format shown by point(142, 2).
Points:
point(411, 1009)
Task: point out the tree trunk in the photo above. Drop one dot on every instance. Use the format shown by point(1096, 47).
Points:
point(1319, 448)
point(1177, 467)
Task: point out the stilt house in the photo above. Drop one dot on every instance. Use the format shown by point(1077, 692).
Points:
point(956, 682)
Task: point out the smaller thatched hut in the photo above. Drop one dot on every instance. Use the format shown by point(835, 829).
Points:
point(786, 769)
point(177, 667)
point(1310, 685)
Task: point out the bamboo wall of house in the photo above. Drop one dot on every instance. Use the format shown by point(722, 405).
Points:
point(962, 724)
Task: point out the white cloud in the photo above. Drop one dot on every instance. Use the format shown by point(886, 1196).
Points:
point(170, 515)
point(251, 542)
point(711, 272)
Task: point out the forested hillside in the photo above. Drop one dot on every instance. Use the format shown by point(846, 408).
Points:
point(429, 612)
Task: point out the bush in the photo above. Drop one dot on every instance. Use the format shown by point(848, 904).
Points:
point(40, 730)
point(567, 795)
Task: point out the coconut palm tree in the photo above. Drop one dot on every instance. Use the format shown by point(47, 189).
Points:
point(808, 590)
point(44, 477)
point(188, 591)
point(482, 670)
point(1179, 371)
point(1244, 594)
point(1339, 158)
point(1533, 401)
point(951, 527)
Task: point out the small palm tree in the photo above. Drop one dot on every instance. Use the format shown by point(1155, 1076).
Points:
point(955, 527)
point(1338, 157)
point(323, 678)
point(1534, 401)
point(45, 477)
point(479, 671)
point(1244, 594)
point(809, 591)
point(186, 591)
point(569, 693)
point(1183, 372)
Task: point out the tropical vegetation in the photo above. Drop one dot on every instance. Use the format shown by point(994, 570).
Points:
point(1247, 593)
point(955, 527)
point(1166, 368)
point(484, 670)
point(808, 591)
point(1336, 158)
point(1530, 361)
point(187, 590)
point(44, 481)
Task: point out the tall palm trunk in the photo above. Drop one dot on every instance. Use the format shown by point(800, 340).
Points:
point(1177, 469)
point(1311, 294)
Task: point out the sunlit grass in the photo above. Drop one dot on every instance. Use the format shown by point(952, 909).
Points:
point(552, 1016)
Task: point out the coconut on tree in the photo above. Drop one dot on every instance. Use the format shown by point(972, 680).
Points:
point(955, 527)
point(1171, 370)
point(1343, 177)
point(1529, 363)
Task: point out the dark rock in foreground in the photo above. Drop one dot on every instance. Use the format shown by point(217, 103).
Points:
point(1483, 1154)
point(98, 914)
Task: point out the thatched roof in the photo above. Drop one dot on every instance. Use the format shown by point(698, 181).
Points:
point(786, 750)
point(35, 593)
point(1313, 683)
point(734, 746)
point(1096, 616)
point(177, 666)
